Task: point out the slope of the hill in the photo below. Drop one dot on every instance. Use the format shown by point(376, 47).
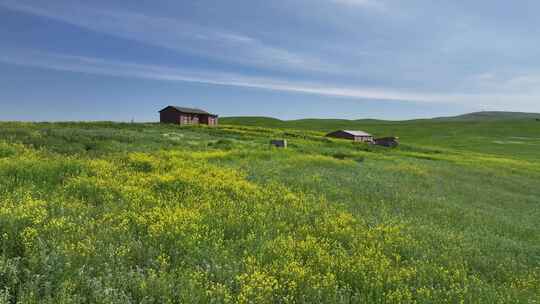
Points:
point(493, 115)
point(505, 137)
point(145, 213)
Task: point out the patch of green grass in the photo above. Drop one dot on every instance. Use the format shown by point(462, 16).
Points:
point(516, 138)
point(148, 213)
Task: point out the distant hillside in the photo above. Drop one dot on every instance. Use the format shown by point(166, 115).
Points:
point(492, 115)
point(252, 121)
point(489, 132)
point(332, 124)
point(308, 123)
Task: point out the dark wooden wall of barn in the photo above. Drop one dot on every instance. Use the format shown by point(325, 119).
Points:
point(169, 116)
point(175, 117)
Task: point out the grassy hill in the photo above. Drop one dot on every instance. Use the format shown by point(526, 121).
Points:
point(493, 115)
point(319, 123)
point(147, 213)
point(494, 133)
point(254, 121)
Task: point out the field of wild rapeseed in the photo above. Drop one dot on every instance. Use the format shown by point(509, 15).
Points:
point(145, 213)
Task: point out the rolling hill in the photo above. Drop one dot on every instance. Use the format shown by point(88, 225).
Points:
point(497, 133)
point(493, 115)
point(474, 116)
point(152, 213)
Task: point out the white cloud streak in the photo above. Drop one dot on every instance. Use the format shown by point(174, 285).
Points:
point(134, 70)
point(173, 34)
point(515, 83)
point(361, 3)
point(98, 66)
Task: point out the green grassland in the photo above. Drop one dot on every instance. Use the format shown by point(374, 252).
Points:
point(148, 213)
point(514, 135)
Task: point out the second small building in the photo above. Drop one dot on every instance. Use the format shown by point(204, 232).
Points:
point(352, 135)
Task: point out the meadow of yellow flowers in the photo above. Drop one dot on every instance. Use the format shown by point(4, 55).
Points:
point(105, 213)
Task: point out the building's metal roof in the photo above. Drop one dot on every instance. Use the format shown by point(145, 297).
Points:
point(188, 110)
point(357, 133)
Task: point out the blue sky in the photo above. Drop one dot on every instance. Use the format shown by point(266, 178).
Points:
point(123, 60)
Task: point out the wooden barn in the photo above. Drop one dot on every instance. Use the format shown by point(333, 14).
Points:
point(352, 135)
point(187, 116)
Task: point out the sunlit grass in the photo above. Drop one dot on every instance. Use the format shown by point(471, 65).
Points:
point(116, 213)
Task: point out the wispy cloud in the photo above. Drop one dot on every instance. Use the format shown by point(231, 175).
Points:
point(504, 82)
point(362, 3)
point(99, 66)
point(173, 34)
point(134, 70)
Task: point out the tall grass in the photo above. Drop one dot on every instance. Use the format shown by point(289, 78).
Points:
point(161, 214)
